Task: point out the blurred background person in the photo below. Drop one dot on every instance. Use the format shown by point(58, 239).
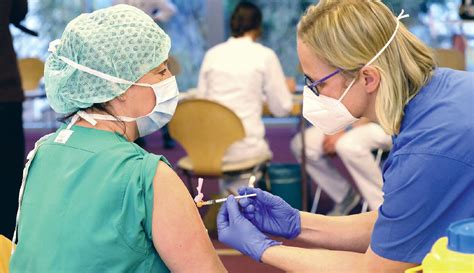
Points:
point(354, 146)
point(12, 141)
point(243, 75)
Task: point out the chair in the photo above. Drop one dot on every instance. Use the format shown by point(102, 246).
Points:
point(450, 58)
point(205, 129)
point(31, 72)
point(5, 253)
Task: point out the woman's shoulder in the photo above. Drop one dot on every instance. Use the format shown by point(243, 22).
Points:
point(445, 79)
point(265, 50)
point(437, 120)
point(449, 92)
point(130, 151)
point(96, 147)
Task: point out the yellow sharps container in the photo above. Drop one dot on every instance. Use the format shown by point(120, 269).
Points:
point(452, 254)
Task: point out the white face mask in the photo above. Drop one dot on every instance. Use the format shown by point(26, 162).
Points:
point(166, 94)
point(329, 114)
point(326, 113)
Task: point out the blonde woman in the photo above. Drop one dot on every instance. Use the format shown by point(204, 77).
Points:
point(362, 62)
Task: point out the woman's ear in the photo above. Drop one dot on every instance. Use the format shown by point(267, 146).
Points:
point(371, 77)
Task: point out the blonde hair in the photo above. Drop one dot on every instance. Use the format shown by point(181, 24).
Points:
point(349, 33)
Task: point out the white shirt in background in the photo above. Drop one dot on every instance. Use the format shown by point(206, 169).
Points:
point(160, 10)
point(243, 75)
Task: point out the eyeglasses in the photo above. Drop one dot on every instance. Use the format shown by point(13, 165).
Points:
point(313, 86)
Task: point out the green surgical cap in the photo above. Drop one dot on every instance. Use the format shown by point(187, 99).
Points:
point(121, 41)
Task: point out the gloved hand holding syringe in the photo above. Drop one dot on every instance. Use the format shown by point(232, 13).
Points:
point(201, 203)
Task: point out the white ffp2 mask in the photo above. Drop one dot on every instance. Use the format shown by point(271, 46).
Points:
point(326, 113)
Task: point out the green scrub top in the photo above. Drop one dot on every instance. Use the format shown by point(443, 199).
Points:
point(87, 207)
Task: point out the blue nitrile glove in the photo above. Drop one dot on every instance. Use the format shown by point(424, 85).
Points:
point(270, 213)
point(236, 231)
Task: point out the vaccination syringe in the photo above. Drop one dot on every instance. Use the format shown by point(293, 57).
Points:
point(216, 201)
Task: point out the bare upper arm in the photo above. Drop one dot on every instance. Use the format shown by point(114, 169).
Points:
point(376, 263)
point(178, 233)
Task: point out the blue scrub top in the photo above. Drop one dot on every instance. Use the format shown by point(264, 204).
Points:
point(429, 175)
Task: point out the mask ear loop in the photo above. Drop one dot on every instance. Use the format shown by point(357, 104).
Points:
point(400, 16)
point(347, 89)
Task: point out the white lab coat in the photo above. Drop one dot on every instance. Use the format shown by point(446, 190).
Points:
point(355, 150)
point(160, 10)
point(242, 75)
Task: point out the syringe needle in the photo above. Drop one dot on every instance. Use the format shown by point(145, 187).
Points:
point(216, 201)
